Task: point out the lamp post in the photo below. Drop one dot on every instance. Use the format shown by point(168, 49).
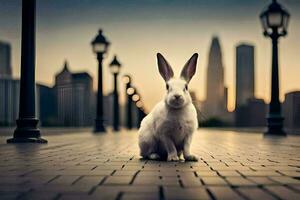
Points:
point(275, 21)
point(100, 46)
point(136, 98)
point(141, 113)
point(115, 67)
point(127, 81)
point(27, 130)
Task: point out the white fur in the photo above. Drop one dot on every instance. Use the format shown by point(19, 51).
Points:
point(166, 132)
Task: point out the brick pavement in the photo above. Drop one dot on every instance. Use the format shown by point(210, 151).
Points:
point(86, 166)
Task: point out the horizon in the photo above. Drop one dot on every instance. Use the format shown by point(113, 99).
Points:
point(147, 30)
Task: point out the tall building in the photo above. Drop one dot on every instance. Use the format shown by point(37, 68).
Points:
point(291, 110)
point(9, 103)
point(5, 60)
point(74, 98)
point(216, 102)
point(249, 111)
point(46, 109)
point(251, 114)
point(244, 74)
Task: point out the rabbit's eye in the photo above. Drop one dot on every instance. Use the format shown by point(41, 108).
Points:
point(167, 86)
point(186, 88)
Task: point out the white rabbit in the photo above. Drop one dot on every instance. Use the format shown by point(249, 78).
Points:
point(166, 132)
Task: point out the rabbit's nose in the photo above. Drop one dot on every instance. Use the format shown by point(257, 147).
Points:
point(177, 96)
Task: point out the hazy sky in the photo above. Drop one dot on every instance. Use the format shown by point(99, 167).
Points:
point(138, 29)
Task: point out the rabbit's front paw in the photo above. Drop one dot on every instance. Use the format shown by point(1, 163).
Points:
point(191, 158)
point(173, 158)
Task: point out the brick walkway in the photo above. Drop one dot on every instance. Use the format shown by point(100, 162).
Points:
point(85, 166)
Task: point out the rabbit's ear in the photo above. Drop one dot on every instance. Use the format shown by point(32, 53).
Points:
point(189, 68)
point(165, 69)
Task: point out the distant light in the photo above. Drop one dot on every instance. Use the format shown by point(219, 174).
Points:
point(130, 91)
point(139, 104)
point(135, 97)
point(126, 79)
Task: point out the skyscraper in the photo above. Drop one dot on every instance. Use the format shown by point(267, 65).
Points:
point(215, 103)
point(244, 74)
point(291, 110)
point(5, 60)
point(9, 101)
point(249, 111)
point(74, 98)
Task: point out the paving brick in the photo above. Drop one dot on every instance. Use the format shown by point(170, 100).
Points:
point(285, 180)
point(39, 196)
point(86, 196)
point(228, 173)
point(239, 181)
point(283, 192)
point(206, 173)
point(174, 193)
point(140, 196)
point(106, 190)
point(191, 182)
point(118, 180)
point(89, 180)
point(260, 173)
point(224, 193)
point(262, 180)
point(64, 180)
point(290, 173)
point(255, 193)
point(214, 181)
point(125, 172)
point(156, 180)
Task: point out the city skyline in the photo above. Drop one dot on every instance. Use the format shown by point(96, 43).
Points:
point(70, 38)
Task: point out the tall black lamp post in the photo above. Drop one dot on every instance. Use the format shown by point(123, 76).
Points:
point(115, 67)
point(275, 21)
point(141, 113)
point(27, 122)
point(129, 91)
point(136, 98)
point(100, 46)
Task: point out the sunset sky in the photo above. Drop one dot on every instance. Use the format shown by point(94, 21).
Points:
point(138, 29)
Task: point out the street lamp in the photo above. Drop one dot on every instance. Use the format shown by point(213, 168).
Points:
point(275, 21)
point(136, 98)
point(115, 67)
point(100, 46)
point(27, 130)
point(129, 91)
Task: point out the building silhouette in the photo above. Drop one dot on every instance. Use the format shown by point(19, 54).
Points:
point(291, 110)
point(244, 74)
point(9, 106)
point(251, 114)
point(249, 111)
point(74, 95)
point(215, 105)
point(46, 109)
point(5, 60)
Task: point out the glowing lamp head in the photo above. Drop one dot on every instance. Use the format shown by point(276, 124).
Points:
point(275, 17)
point(100, 44)
point(135, 97)
point(115, 66)
point(126, 79)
